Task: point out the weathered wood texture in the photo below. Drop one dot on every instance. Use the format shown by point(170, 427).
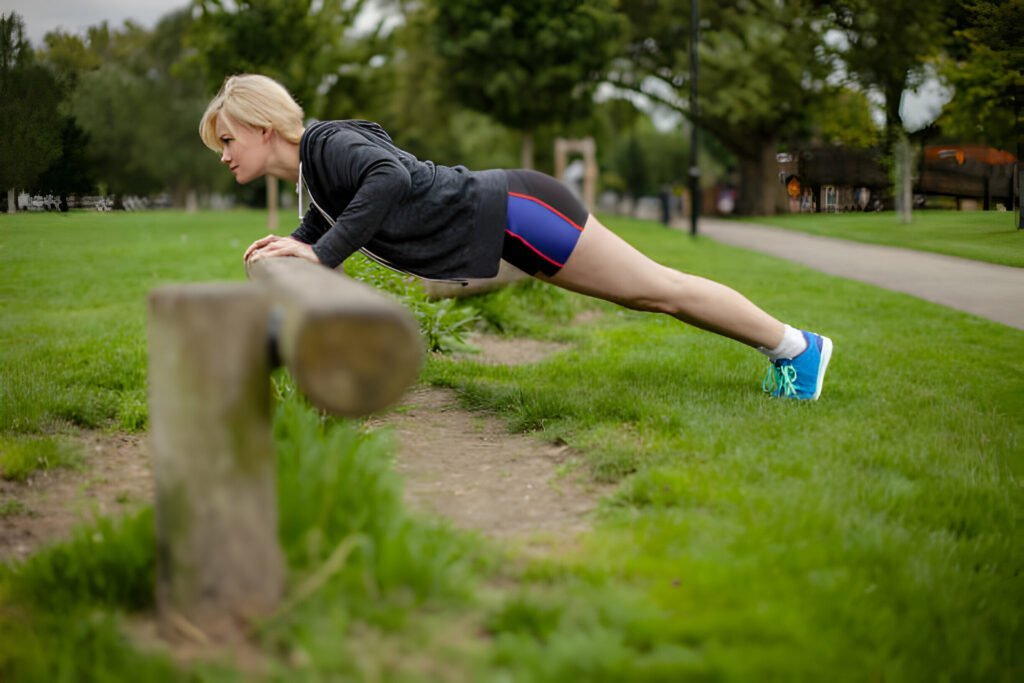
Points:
point(219, 564)
point(351, 349)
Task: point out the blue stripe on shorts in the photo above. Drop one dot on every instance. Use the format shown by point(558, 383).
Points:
point(545, 221)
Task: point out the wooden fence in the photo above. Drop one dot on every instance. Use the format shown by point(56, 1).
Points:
point(350, 349)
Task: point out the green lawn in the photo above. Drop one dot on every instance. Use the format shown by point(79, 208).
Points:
point(981, 235)
point(873, 535)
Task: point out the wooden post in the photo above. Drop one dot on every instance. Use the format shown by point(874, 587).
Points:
point(219, 564)
point(351, 349)
point(585, 146)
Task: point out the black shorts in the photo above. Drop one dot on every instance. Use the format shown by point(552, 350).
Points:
point(545, 220)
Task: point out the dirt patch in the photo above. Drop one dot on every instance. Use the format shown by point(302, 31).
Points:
point(116, 479)
point(468, 468)
point(464, 466)
point(505, 351)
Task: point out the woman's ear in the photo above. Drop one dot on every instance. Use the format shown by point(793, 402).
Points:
point(267, 134)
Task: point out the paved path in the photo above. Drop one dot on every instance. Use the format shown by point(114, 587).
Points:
point(984, 289)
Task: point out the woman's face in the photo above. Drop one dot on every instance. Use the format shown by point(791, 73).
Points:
point(243, 148)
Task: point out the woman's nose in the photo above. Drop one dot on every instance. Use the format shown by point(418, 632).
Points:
point(224, 157)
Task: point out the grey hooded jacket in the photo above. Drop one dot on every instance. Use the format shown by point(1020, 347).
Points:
point(416, 216)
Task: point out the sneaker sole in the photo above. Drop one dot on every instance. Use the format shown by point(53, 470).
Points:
point(826, 356)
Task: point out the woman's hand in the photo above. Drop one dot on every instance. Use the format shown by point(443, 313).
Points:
point(273, 245)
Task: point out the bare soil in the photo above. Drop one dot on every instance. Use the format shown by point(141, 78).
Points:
point(468, 468)
point(463, 466)
point(116, 478)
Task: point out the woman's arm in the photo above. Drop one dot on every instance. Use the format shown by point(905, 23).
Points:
point(377, 180)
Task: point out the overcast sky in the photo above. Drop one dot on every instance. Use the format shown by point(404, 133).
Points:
point(74, 16)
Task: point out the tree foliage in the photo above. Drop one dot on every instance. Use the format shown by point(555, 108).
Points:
point(29, 115)
point(526, 63)
point(985, 67)
point(303, 44)
point(71, 171)
point(842, 116)
point(456, 81)
point(888, 44)
point(763, 64)
point(139, 109)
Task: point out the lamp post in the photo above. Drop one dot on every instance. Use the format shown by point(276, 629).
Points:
point(694, 169)
point(1018, 95)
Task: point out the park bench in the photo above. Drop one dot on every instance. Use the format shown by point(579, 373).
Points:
point(351, 350)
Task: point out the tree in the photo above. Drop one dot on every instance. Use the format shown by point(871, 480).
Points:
point(763, 64)
point(29, 118)
point(299, 43)
point(632, 166)
point(888, 44)
point(185, 165)
point(526, 63)
point(71, 172)
point(843, 117)
point(985, 67)
point(138, 109)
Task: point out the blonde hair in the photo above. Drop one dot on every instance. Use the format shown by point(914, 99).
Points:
point(255, 101)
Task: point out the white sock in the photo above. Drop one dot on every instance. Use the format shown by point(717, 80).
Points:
point(791, 346)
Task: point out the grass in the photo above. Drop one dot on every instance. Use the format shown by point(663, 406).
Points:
point(22, 455)
point(880, 526)
point(874, 535)
point(981, 235)
point(13, 508)
point(337, 490)
point(73, 315)
point(73, 304)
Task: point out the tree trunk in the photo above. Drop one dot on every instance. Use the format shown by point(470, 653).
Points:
point(526, 159)
point(987, 206)
point(272, 218)
point(903, 188)
point(758, 180)
point(191, 200)
point(11, 201)
point(893, 123)
point(1019, 183)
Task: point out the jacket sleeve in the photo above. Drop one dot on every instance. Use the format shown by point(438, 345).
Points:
point(311, 227)
point(377, 180)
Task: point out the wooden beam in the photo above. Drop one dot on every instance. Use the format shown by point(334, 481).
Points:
point(351, 349)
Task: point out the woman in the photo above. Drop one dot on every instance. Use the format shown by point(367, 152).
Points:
point(449, 223)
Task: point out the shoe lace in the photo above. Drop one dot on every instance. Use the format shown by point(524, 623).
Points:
point(779, 380)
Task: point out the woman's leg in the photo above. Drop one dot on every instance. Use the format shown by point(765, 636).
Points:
point(606, 266)
point(550, 234)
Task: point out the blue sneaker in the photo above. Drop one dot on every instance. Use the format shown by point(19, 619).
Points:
point(800, 377)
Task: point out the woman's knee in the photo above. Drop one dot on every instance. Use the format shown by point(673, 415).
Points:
point(666, 291)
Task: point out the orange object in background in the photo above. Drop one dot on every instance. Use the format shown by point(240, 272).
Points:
point(962, 153)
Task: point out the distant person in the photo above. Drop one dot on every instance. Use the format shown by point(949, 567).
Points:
point(665, 201)
point(448, 223)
